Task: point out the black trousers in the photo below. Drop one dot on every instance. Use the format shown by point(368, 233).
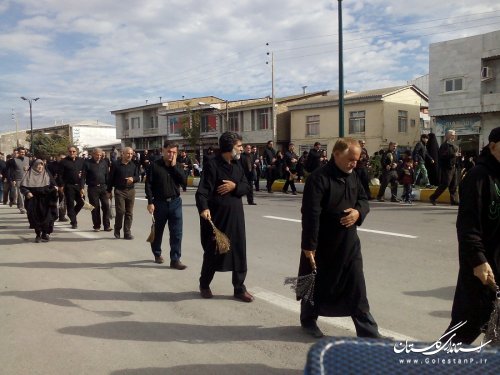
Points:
point(289, 182)
point(61, 208)
point(208, 273)
point(363, 321)
point(257, 179)
point(250, 182)
point(72, 195)
point(98, 197)
point(447, 179)
point(124, 205)
point(392, 178)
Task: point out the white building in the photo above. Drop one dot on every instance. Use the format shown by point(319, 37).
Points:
point(464, 88)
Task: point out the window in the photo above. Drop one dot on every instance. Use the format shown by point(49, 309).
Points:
point(357, 122)
point(175, 123)
point(153, 122)
point(312, 125)
point(208, 124)
point(126, 124)
point(234, 122)
point(402, 121)
point(455, 84)
point(262, 119)
point(135, 123)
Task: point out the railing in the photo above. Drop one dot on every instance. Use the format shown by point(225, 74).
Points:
point(149, 131)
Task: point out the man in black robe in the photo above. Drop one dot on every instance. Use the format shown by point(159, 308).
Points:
point(334, 203)
point(218, 198)
point(478, 231)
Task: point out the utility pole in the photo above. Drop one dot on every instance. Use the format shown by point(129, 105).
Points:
point(273, 110)
point(341, 75)
point(29, 100)
point(14, 117)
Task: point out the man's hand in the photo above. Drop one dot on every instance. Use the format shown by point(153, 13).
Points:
point(130, 180)
point(29, 195)
point(310, 254)
point(61, 189)
point(82, 192)
point(483, 272)
point(206, 214)
point(227, 187)
point(151, 208)
point(351, 217)
point(13, 183)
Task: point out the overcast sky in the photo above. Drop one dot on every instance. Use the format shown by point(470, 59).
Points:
point(86, 58)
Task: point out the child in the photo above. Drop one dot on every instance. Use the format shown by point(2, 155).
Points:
point(406, 178)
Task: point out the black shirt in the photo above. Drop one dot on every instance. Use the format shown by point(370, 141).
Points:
point(96, 174)
point(162, 181)
point(119, 173)
point(71, 171)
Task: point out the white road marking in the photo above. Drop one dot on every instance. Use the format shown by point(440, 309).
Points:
point(91, 235)
point(342, 323)
point(360, 229)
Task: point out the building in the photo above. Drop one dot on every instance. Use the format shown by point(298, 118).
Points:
point(464, 91)
point(11, 140)
point(378, 116)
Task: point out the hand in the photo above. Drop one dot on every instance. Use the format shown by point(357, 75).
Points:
point(483, 272)
point(388, 167)
point(227, 187)
point(29, 195)
point(151, 208)
point(110, 195)
point(130, 180)
point(61, 189)
point(13, 183)
point(351, 217)
point(206, 214)
point(82, 192)
point(310, 254)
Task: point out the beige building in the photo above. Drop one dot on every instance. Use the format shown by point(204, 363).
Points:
point(377, 116)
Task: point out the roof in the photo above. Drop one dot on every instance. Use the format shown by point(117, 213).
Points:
point(167, 104)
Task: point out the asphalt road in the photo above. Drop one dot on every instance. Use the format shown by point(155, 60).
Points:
point(87, 303)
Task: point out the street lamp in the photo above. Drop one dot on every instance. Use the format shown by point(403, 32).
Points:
point(341, 73)
point(31, 121)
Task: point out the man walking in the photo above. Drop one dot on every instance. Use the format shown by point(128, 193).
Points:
point(186, 164)
point(420, 157)
point(218, 198)
point(257, 167)
point(334, 203)
point(447, 160)
point(96, 173)
point(478, 230)
point(163, 182)
point(71, 183)
point(270, 162)
point(19, 167)
point(291, 160)
point(389, 164)
point(314, 158)
point(54, 167)
point(247, 164)
point(123, 175)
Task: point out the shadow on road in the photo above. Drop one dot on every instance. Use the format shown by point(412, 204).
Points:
point(445, 293)
point(210, 369)
point(104, 266)
point(186, 333)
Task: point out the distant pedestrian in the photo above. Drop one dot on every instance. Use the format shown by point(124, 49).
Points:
point(164, 180)
point(314, 158)
point(432, 168)
point(96, 175)
point(407, 179)
point(40, 191)
point(71, 182)
point(269, 159)
point(247, 165)
point(290, 162)
point(301, 166)
point(218, 198)
point(420, 157)
point(257, 167)
point(389, 164)
point(447, 161)
point(19, 167)
point(54, 167)
point(123, 176)
point(478, 230)
point(362, 168)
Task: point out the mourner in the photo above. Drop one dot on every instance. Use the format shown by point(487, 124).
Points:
point(447, 159)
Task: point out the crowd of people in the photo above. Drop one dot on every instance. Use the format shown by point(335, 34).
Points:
point(334, 203)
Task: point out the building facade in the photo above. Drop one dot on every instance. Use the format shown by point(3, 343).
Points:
point(464, 91)
point(394, 114)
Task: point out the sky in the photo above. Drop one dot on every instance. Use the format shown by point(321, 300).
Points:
point(84, 59)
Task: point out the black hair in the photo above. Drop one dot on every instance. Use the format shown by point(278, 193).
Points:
point(227, 141)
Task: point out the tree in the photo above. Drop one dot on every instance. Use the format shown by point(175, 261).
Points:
point(45, 145)
point(191, 127)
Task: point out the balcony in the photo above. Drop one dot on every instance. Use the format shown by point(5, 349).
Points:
point(150, 131)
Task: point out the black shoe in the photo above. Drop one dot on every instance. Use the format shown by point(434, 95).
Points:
point(252, 204)
point(117, 234)
point(177, 264)
point(433, 201)
point(38, 239)
point(128, 237)
point(313, 330)
point(381, 199)
point(108, 229)
point(97, 229)
point(45, 237)
point(294, 192)
point(285, 191)
point(454, 203)
point(206, 293)
point(63, 219)
point(74, 226)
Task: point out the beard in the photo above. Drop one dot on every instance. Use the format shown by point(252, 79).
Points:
point(236, 154)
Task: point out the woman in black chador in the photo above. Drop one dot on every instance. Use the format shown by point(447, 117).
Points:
point(432, 168)
point(40, 191)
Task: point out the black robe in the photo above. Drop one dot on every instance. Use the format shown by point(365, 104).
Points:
point(432, 168)
point(42, 207)
point(226, 211)
point(340, 284)
point(478, 231)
